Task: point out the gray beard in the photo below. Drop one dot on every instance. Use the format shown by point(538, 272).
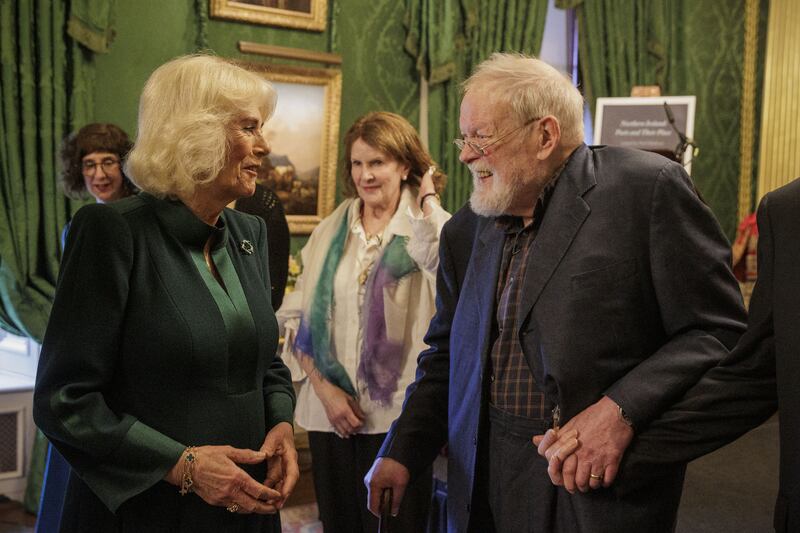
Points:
point(495, 201)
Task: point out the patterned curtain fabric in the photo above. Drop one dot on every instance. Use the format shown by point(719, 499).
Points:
point(623, 43)
point(201, 22)
point(91, 23)
point(447, 41)
point(433, 37)
point(686, 47)
point(45, 92)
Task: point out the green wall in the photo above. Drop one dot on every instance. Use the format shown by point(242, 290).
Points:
point(149, 32)
point(714, 47)
point(369, 34)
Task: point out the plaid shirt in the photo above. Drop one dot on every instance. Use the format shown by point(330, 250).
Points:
point(512, 387)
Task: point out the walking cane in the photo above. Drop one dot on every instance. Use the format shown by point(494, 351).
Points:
point(386, 510)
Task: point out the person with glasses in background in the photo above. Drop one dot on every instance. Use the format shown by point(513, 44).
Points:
point(91, 163)
point(582, 287)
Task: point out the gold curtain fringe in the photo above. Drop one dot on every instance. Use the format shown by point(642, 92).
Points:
point(747, 119)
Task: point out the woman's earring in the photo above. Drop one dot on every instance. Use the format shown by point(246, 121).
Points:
point(405, 177)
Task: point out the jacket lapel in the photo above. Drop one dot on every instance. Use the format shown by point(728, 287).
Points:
point(485, 269)
point(565, 215)
point(486, 265)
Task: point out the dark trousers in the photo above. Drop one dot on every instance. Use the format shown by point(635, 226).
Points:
point(339, 466)
point(507, 487)
point(516, 489)
point(513, 492)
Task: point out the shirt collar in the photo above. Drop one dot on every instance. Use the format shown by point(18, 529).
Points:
point(184, 225)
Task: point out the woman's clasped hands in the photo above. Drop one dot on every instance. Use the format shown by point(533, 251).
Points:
point(217, 478)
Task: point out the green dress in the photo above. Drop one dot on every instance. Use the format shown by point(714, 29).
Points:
point(146, 353)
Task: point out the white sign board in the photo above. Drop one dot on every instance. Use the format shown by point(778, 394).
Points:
point(663, 124)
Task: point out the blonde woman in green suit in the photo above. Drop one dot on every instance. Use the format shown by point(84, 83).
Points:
point(158, 379)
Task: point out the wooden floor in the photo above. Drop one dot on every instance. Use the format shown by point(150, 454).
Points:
point(14, 519)
point(299, 517)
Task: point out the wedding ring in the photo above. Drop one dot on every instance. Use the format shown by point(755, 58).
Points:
point(233, 507)
point(595, 476)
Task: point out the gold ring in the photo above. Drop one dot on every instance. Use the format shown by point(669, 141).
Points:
point(595, 476)
point(233, 507)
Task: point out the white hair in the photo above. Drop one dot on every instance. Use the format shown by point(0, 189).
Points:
point(532, 89)
point(185, 111)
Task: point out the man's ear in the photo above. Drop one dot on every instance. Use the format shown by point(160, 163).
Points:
point(548, 136)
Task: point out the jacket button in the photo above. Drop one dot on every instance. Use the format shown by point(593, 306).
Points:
point(474, 441)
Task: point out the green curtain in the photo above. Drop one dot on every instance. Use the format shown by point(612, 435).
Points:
point(687, 47)
point(201, 22)
point(91, 23)
point(714, 37)
point(447, 41)
point(623, 43)
point(45, 91)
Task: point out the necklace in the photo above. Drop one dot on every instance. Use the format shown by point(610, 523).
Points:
point(378, 235)
point(362, 278)
point(373, 240)
point(375, 235)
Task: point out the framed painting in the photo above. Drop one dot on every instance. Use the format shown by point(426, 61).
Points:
point(302, 14)
point(303, 134)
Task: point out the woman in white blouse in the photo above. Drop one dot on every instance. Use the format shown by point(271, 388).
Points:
point(357, 317)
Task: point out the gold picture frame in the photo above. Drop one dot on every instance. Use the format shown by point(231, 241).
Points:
point(302, 14)
point(304, 136)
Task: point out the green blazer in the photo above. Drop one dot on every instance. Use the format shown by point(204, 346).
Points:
point(145, 354)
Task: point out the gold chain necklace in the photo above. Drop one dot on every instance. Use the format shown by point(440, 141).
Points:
point(362, 278)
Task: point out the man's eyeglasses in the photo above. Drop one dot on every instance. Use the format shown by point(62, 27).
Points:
point(108, 165)
point(481, 149)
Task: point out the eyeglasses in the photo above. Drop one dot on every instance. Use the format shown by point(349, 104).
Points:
point(109, 164)
point(481, 149)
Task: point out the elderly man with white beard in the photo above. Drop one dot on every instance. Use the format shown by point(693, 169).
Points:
point(582, 287)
